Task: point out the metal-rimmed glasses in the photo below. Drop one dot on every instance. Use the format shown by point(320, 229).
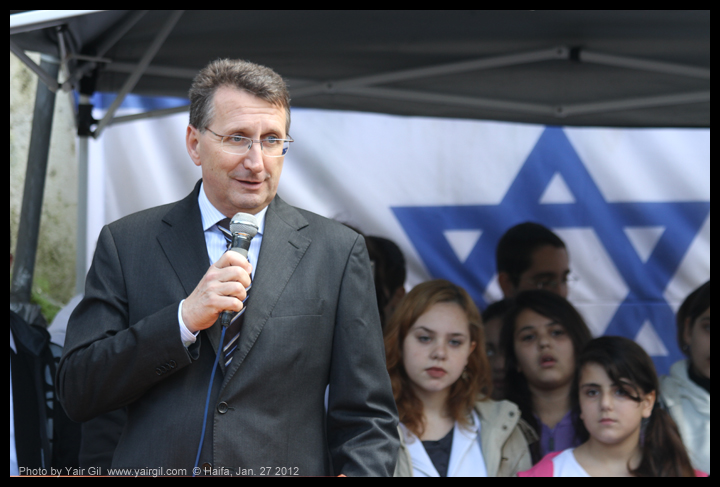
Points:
point(239, 145)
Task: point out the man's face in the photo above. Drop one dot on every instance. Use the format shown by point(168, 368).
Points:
point(549, 270)
point(238, 183)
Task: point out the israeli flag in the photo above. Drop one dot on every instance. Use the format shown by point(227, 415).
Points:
point(632, 205)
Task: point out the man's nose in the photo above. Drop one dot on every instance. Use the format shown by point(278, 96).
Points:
point(254, 158)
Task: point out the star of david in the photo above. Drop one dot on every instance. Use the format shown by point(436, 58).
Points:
point(646, 276)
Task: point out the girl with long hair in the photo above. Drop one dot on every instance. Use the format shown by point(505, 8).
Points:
point(626, 433)
point(541, 336)
point(441, 379)
point(686, 391)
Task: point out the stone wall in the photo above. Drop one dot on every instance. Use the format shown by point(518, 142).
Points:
point(54, 279)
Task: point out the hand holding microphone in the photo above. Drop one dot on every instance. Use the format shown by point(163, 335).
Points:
point(243, 227)
point(223, 288)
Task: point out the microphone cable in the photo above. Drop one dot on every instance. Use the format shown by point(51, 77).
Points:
point(207, 401)
point(242, 228)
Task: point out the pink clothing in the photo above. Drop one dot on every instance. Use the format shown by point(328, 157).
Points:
point(544, 468)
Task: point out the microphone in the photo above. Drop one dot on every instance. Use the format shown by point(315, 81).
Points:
point(243, 227)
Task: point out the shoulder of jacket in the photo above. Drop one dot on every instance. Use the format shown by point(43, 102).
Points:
point(155, 214)
point(678, 385)
point(492, 412)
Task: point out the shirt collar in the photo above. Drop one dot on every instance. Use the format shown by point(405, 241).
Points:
point(211, 215)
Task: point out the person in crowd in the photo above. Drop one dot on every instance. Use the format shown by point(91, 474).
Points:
point(493, 318)
point(530, 256)
point(148, 334)
point(441, 379)
point(625, 432)
point(42, 437)
point(686, 391)
point(390, 273)
point(541, 337)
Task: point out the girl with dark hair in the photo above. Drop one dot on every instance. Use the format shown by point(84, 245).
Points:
point(686, 391)
point(541, 336)
point(627, 434)
point(435, 350)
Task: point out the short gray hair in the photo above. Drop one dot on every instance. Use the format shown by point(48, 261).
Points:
point(259, 80)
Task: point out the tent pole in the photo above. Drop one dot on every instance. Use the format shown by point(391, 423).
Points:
point(27, 239)
point(147, 57)
point(82, 217)
point(43, 75)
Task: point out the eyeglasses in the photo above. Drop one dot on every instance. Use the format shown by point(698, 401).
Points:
point(550, 284)
point(239, 145)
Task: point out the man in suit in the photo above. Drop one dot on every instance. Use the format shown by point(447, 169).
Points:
point(146, 335)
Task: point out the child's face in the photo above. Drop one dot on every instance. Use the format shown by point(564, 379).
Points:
point(544, 351)
point(697, 337)
point(437, 347)
point(608, 411)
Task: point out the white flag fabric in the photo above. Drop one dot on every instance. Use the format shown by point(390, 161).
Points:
point(632, 205)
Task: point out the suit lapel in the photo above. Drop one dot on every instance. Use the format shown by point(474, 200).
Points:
point(281, 251)
point(183, 243)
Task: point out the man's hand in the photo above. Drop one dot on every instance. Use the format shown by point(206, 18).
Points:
point(222, 288)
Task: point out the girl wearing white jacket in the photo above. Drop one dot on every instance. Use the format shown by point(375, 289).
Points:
point(686, 391)
point(441, 380)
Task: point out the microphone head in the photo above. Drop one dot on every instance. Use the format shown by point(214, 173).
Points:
point(244, 223)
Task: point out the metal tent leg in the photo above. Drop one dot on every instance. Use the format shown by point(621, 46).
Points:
point(27, 239)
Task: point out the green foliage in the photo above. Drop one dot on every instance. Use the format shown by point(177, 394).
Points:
point(41, 296)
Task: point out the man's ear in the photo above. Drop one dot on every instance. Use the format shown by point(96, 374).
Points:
point(506, 285)
point(192, 139)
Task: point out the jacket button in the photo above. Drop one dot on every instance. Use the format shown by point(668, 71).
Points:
point(206, 468)
point(222, 408)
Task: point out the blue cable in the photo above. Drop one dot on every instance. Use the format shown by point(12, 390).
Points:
point(207, 401)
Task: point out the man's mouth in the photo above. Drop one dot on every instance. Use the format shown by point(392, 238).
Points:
point(252, 184)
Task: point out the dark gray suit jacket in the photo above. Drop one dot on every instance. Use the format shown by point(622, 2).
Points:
point(312, 321)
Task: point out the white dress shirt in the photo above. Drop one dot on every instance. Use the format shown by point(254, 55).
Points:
point(216, 247)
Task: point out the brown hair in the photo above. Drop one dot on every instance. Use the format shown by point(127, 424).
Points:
point(663, 452)
point(262, 82)
point(476, 382)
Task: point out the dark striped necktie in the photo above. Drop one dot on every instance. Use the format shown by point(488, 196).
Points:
point(232, 334)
